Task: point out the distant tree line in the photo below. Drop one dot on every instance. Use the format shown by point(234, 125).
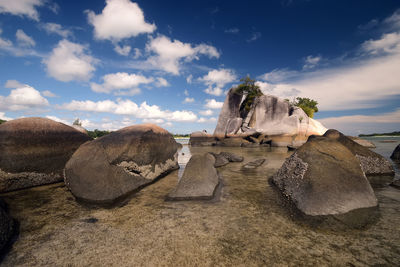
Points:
point(380, 134)
point(181, 135)
point(97, 133)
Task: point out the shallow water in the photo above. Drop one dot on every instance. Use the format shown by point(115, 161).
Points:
point(247, 226)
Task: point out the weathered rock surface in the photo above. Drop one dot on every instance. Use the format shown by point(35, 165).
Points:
point(110, 167)
point(254, 164)
point(7, 226)
point(230, 110)
point(323, 178)
point(224, 158)
point(371, 163)
point(199, 180)
point(396, 153)
point(79, 128)
point(33, 151)
point(363, 142)
point(202, 139)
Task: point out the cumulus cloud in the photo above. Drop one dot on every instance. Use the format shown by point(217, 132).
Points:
point(137, 53)
point(22, 98)
point(213, 104)
point(255, 36)
point(356, 124)
point(4, 117)
point(22, 8)
point(122, 81)
point(161, 82)
point(207, 112)
point(48, 93)
point(188, 100)
point(54, 28)
point(69, 61)
point(279, 75)
point(55, 118)
point(122, 50)
point(118, 20)
point(168, 55)
point(218, 78)
point(13, 84)
point(206, 120)
point(23, 39)
point(128, 107)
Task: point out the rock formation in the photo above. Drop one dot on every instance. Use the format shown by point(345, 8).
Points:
point(271, 117)
point(371, 163)
point(112, 166)
point(324, 178)
point(224, 158)
point(199, 180)
point(33, 151)
point(396, 153)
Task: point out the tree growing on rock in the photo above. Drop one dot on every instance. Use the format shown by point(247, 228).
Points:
point(77, 121)
point(249, 88)
point(309, 106)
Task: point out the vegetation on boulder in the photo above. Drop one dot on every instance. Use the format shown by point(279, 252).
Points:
point(250, 89)
point(97, 133)
point(309, 106)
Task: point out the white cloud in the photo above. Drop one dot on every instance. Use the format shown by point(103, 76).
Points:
point(54, 118)
point(128, 107)
point(279, 75)
point(4, 42)
point(356, 124)
point(13, 84)
point(21, 98)
point(189, 79)
point(207, 112)
point(131, 92)
point(388, 43)
point(170, 54)
point(119, 81)
point(311, 62)
point(188, 100)
point(119, 19)
point(48, 93)
point(4, 117)
point(21, 7)
point(137, 53)
point(122, 50)
point(213, 104)
point(54, 28)
point(393, 21)
point(219, 78)
point(206, 120)
point(265, 87)
point(155, 121)
point(23, 39)
point(186, 92)
point(68, 61)
point(161, 82)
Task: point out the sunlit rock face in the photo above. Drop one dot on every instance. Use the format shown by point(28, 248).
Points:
point(113, 166)
point(33, 151)
point(268, 115)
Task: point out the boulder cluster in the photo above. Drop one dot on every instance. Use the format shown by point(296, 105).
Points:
point(270, 120)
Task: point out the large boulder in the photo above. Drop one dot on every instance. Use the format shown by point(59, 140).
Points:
point(202, 139)
point(33, 151)
point(371, 163)
point(7, 226)
point(199, 180)
point(230, 110)
point(111, 167)
point(396, 153)
point(324, 178)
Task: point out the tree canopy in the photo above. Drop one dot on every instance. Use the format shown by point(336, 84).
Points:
point(2, 121)
point(77, 121)
point(248, 87)
point(309, 106)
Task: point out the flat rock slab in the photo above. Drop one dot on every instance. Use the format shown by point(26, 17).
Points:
point(224, 158)
point(199, 181)
point(254, 164)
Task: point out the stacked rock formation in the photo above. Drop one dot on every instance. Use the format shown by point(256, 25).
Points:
point(270, 120)
point(110, 167)
point(33, 151)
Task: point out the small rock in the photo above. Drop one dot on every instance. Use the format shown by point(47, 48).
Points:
point(254, 164)
point(396, 153)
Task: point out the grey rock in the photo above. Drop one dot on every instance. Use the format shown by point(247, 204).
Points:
point(199, 180)
point(230, 110)
point(202, 139)
point(233, 125)
point(254, 164)
point(232, 157)
point(224, 158)
point(396, 153)
point(371, 163)
point(34, 151)
point(111, 167)
point(324, 178)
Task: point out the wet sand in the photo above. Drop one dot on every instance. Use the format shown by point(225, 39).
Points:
point(246, 227)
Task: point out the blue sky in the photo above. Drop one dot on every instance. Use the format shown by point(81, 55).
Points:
point(115, 63)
